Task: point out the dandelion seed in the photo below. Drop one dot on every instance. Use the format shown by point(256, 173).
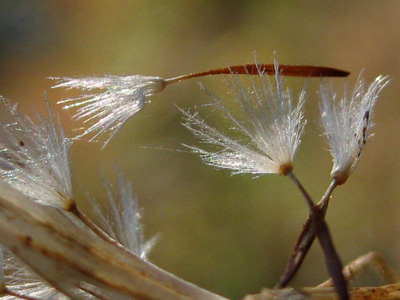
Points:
point(123, 97)
point(53, 243)
point(268, 129)
point(122, 219)
point(347, 123)
point(34, 158)
point(268, 124)
point(34, 161)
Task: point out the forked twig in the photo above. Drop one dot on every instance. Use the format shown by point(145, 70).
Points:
point(332, 260)
point(305, 240)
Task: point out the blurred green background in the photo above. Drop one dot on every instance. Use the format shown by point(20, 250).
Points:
point(229, 234)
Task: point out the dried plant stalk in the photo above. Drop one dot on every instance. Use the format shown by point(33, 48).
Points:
point(74, 260)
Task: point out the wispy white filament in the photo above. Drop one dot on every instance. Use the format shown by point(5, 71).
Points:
point(265, 125)
point(34, 158)
point(120, 99)
point(21, 280)
point(347, 123)
point(53, 243)
point(122, 218)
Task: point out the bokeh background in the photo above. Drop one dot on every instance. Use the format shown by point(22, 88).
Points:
point(229, 234)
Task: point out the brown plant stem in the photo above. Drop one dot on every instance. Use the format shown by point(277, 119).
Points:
point(305, 240)
point(332, 260)
point(97, 230)
point(255, 69)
